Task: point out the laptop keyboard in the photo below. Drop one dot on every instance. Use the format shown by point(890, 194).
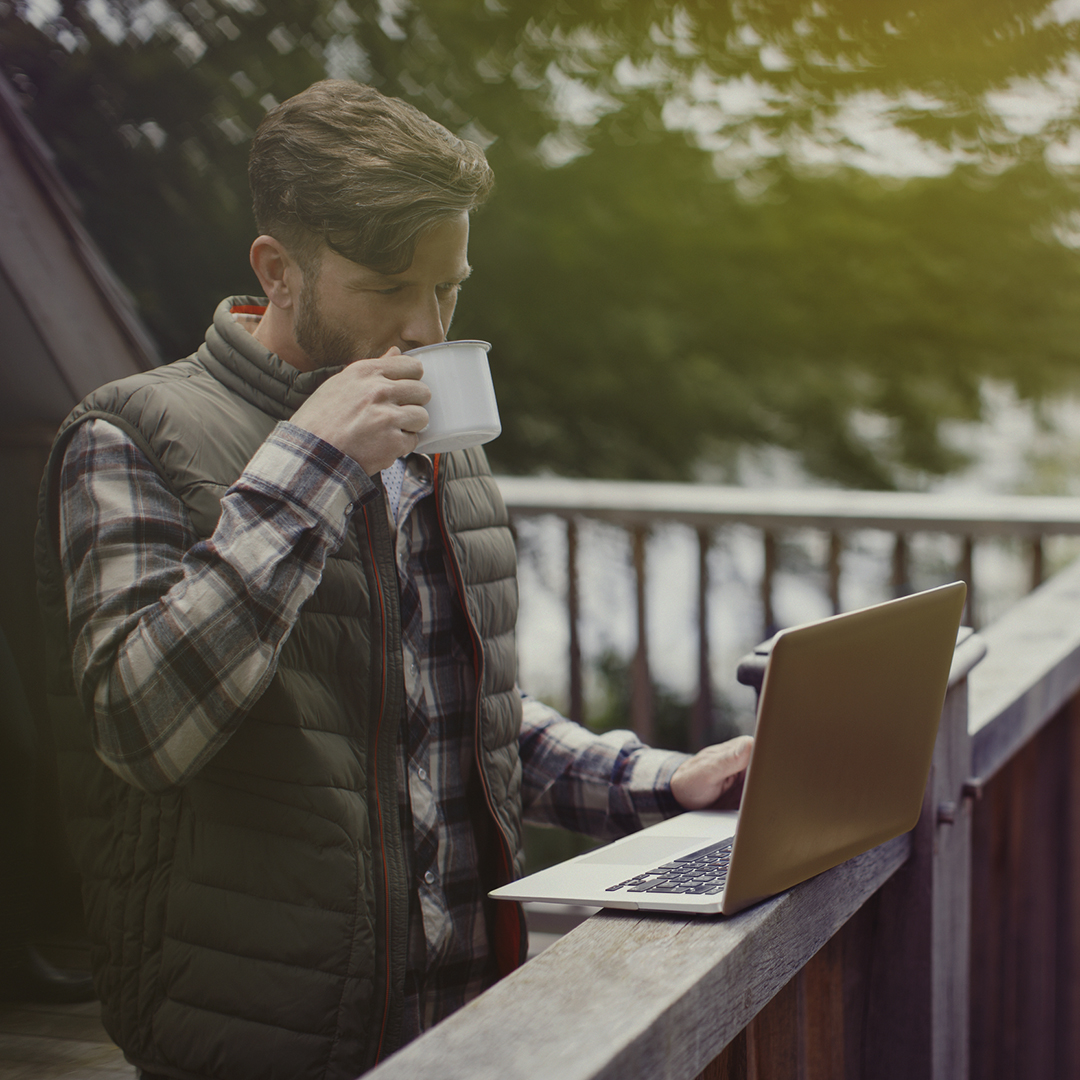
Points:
point(701, 873)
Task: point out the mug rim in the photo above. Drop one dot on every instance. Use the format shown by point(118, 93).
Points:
point(443, 344)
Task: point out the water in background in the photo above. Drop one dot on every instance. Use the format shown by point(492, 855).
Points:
point(1019, 449)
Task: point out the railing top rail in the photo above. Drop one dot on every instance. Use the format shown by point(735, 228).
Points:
point(1032, 668)
point(636, 503)
point(658, 988)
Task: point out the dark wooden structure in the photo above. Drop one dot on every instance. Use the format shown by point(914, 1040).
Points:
point(67, 327)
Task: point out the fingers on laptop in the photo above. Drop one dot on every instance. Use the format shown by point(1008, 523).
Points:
point(713, 776)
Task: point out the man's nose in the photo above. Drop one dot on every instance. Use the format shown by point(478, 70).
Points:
point(423, 325)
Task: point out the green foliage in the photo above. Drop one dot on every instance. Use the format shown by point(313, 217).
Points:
point(692, 246)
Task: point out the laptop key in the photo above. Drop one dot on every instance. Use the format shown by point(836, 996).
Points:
point(705, 851)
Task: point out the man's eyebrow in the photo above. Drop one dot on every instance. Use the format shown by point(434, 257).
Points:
point(377, 277)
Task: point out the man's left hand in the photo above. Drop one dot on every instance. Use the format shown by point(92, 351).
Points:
point(713, 777)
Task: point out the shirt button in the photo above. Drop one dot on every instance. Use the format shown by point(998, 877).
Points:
point(414, 668)
point(422, 773)
point(429, 877)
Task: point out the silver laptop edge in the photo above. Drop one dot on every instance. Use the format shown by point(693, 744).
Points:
point(847, 720)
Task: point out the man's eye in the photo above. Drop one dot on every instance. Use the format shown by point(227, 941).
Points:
point(449, 286)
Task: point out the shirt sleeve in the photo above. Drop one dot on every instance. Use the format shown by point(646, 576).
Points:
point(603, 785)
point(173, 638)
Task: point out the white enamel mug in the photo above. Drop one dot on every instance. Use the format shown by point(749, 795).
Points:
point(462, 411)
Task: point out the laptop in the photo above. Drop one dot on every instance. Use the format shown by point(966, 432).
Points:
point(847, 718)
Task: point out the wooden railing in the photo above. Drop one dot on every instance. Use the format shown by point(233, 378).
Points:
point(641, 507)
point(950, 952)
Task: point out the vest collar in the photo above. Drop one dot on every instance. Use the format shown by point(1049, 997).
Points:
point(246, 367)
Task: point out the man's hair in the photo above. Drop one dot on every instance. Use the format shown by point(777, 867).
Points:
point(368, 175)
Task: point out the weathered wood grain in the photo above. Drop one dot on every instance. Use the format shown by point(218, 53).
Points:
point(1032, 668)
point(822, 1014)
point(1025, 1008)
point(970, 651)
point(949, 815)
point(772, 1037)
point(652, 996)
point(633, 503)
point(1069, 943)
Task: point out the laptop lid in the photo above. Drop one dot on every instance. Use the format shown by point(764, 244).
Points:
point(847, 721)
point(846, 727)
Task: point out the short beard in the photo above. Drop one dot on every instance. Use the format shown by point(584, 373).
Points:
point(323, 345)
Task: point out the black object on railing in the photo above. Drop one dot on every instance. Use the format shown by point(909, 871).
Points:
point(751, 669)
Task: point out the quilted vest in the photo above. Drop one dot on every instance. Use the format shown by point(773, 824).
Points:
point(252, 923)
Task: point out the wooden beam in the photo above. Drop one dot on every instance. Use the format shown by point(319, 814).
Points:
point(966, 572)
point(1031, 670)
point(901, 577)
point(641, 703)
point(636, 997)
point(573, 613)
point(1035, 546)
point(836, 550)
point(768, 616)
point(631, 502)
point(701, 721)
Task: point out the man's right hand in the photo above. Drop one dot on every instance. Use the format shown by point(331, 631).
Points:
point(372, 411)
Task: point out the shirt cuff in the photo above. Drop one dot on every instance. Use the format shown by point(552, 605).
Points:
point(297, 466)
point(646, 781)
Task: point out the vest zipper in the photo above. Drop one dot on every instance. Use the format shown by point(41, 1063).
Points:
point(378, 798)
point(512, 929)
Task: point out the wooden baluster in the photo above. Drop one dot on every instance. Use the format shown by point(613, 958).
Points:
point(966, 572)
point(768, 540)
point(836, 549)
point(573, 611)
point(901, 584)
point(641, 705)
point(1037, 564)
point(701, 721)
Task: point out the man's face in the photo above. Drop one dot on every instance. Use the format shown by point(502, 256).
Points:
point(349, 312)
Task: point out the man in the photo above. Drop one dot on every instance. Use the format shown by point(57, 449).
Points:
point(294, 752)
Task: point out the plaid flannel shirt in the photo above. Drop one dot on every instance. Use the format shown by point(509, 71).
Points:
point(174, 639)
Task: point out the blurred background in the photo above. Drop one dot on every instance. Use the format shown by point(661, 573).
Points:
point(717, 226)
point(757, 243)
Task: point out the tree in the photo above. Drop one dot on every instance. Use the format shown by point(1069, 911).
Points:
point(810, 224)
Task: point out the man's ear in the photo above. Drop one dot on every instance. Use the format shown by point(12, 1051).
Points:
point(277, 271)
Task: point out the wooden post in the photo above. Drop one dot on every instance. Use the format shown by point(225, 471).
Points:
point(1026, 958)
point(701, 723)
point(901, 584)
point(1069, 943)
point(836, 549)
point(768, 541)
point(1037, 568)
point(573, 611)
point(966, 572)
point(917, 1013)
point(641, 706)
